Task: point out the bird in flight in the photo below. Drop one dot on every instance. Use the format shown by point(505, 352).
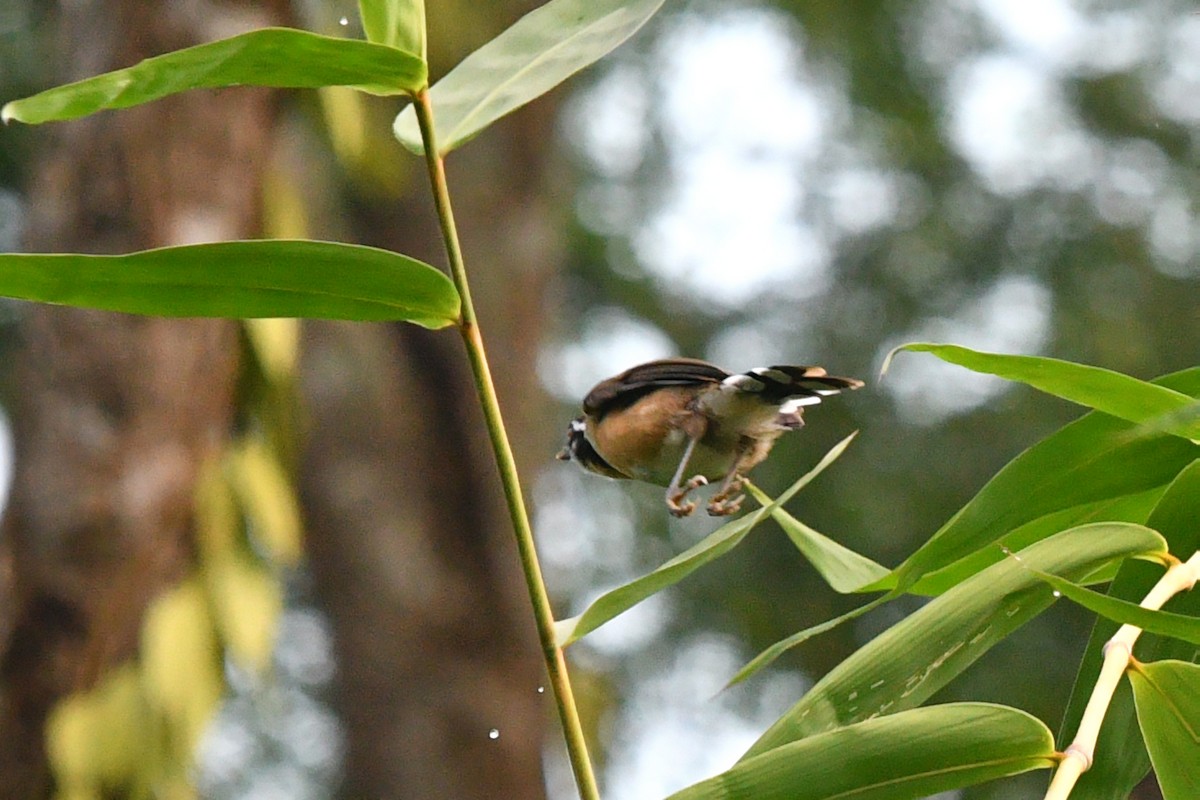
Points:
point(660, 421)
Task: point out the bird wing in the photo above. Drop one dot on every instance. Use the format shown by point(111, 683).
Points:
point(622, 390)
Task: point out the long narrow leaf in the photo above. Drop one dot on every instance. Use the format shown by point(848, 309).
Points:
point(773, 652)
point(1091, 460)
point(1168, 709)
point(843, 569)
point(712, 547)
point(1103, 390)
point(270, 278)
point(1180, 419)
point(540, 51)
point(1164, 623)
point(395, 23)
point(1128, 508)
point(903, 756)
point(906, 664)
point(277, 57)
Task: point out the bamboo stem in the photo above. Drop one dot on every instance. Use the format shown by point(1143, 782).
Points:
point(556, 665)
point(1118, 651)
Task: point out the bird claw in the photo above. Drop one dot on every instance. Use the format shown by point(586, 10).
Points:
point(675, 499)
point(725, 506)
point(729, 499)
point(678, 509)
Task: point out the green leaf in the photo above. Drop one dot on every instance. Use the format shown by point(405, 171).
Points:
point(271, 278)
point(1113, 393)
point(906, 664)
point(1128, 508)
point(843, 569)
point(277, 57)
point(1091, 460)
point(712, 547)
point(913, 754)
point(540, 51)
point(1120, 760)
point(395, 23)
point(1164, 623)
point(1173, 421)
point(1168, 709)
point(773, 652)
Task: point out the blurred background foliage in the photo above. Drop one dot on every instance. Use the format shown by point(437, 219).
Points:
point(756, 183)
point(807, 181)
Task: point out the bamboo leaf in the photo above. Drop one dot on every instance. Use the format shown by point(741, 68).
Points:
point(712, 547)
point(181, 661)
point(1113, 393)
point(268, 501)
point(95, 738)
point(1167, 694)
point(1092, 460)
point(1180, 419)
point(276, 57)
point(843, 569)
point(1127, 508)
point(246, 601)
point(1164, 623)
point(540, 51)
point(773, 652)
point(906, 664)
point(913, 754)
point(395, 23)
point(270, 278)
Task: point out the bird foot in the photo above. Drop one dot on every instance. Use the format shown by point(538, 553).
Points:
point(675, 498)
point(729, 499)
point(725, 506)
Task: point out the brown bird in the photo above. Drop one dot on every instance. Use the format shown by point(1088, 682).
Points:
point(661, 420)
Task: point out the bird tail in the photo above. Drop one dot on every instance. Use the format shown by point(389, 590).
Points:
point(791, 388)
point(782, 383)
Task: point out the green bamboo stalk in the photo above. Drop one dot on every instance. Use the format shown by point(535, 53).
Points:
point(556, 664)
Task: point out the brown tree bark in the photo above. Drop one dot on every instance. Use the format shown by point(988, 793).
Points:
point(401, 492)
point(407, 536)
point(115, 413)
point(412, 565)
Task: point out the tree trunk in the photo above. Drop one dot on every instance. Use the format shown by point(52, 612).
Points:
point(408, 541)
point(401, 493)
point(115, 413)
